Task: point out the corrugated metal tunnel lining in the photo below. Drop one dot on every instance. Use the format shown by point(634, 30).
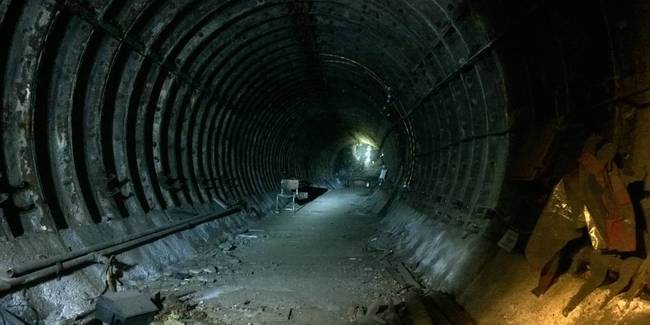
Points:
point(114, 109)
point(118, 117)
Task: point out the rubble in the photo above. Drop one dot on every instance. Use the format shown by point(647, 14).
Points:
point(411, 307)
point(594, 199)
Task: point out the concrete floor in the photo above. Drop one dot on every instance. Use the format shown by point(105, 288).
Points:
point(311, 267)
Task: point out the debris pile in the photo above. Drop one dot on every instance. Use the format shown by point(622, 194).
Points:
point(592, 206)
point(412, 306)
point(179, 311)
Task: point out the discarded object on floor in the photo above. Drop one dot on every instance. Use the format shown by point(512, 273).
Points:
point(640, 281)
point(600, 265)
point(560, 222)
point(509, 240)
point(548, 275)
point(595, 196)
point(611, 217)
point(125, 308)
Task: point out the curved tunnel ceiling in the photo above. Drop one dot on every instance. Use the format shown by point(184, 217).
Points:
point(113, 109)
point(117, 117)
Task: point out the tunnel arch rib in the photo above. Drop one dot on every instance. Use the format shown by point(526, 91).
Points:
point(122, 111)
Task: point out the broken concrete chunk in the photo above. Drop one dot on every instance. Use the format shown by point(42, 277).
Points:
point(126, 307)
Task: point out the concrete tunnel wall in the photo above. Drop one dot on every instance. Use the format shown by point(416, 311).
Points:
point(117, 115)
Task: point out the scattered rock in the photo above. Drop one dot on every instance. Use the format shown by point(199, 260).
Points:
point(176, 312)
point(227, 247)
point(181, 275)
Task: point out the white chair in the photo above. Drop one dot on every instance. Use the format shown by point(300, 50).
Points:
point(288, 190)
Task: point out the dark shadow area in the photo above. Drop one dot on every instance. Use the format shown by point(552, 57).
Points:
point(637, 195)
point(415, 308)
point(312, 193)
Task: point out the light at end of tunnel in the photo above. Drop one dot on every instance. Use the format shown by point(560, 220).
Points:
point(364, 140)
point(365, 153)
point(368, 154)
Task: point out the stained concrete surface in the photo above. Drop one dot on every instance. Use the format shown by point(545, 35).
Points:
point(311, 267)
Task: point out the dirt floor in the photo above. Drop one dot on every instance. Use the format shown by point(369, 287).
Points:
point(311, 267)
point(326, 263)
point(502, 295)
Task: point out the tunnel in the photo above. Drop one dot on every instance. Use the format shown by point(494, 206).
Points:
point(428, 139)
